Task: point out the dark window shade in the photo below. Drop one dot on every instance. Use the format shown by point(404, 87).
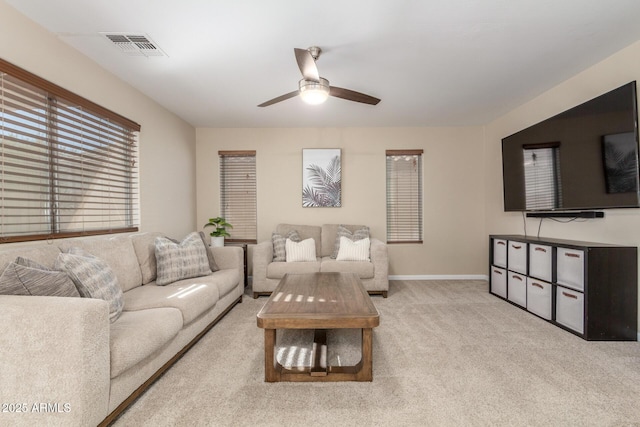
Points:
point(404, 196)
point(66, 169)
point(238, 198)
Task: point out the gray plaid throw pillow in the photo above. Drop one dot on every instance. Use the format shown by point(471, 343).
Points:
point(177, 261)
point(279, 244)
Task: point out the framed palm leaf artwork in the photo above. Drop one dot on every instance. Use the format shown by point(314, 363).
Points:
point(321, 178)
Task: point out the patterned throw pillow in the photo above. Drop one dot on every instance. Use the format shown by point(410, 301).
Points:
point(279, 247)
point(304, 251)
point(27, 277)
point(353, 251)
point(361, 233)
point(93, 278)
point(177, 261)
point(212, 262)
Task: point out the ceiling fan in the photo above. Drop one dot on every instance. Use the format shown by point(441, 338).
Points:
point(314, 89)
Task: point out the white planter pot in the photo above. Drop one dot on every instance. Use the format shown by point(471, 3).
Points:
point(217, 241)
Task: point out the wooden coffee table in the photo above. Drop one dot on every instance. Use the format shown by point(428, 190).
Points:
point(319, 301)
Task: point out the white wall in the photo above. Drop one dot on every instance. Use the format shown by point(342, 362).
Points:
point(453, 187)
point(167, 143)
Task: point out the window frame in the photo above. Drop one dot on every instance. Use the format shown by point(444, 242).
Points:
point(396, 201)
point(224, 198)
point(71, 125)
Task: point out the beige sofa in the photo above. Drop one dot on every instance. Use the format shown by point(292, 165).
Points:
point(61, 360)
point(374, 274)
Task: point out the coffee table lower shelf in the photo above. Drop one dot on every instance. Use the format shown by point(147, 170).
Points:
point(319, 371)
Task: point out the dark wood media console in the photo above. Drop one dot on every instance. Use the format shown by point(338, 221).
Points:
point(589, 289)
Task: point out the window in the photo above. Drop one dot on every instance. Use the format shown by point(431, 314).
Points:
point(68, 166)
point(238, 199)
point(404, 196)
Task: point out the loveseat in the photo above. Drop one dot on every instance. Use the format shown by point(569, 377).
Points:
point(267, 271)
point(63, 362)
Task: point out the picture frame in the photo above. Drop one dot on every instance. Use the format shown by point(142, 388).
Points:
point(321, 178)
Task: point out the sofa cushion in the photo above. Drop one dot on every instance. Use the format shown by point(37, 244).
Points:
point(192, 296)
point(27, 277)
point(279, 244)
point(184, 260)
point(353, 251)
point(144, 245)
point(304, 251)
point(226, 280)
point(277, 270)
point(304, 231)
point(118, 252)
point(364, 269)
point(353, 232)
point(139, 334)
point(93, 278)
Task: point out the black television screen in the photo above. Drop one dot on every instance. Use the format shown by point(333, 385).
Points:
point(583, 158)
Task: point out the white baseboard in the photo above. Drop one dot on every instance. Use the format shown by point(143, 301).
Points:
point(440, 277)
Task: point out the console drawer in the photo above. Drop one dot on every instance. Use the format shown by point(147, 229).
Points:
point(517, 260)
point(540, 261)
point(570, 309)
point(517, 288)
point(570, 266)
point(500, 253)
point(499, 281)
point(539, 295)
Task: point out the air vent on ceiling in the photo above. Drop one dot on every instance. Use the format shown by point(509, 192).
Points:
point(134, 44)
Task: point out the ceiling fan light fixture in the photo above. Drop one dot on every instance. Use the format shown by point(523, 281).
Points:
point(314, 93)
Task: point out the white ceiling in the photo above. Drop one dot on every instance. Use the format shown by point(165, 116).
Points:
point(432, 62)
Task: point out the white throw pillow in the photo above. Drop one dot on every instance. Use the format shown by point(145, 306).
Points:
point(353, 251)
point(304, 251)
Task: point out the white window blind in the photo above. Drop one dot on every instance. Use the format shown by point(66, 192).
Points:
point(238, 199)
point(543, 188)
point(68, 167)
point(404, 196)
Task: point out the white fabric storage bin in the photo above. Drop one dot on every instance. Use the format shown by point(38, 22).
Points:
point(570, 308)
point(517, 288)
point(517, 257)
point(570, 265)
point(539, 297)
point(499, 281)
point(500, 253)
point(540, 258)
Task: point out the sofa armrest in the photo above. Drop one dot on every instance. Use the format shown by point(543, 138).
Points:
point(229, 257)
point(262, 257)
point(380, 260)
point(55, 362)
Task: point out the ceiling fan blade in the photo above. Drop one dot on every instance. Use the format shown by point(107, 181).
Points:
point(352, 95)
point(307, 64)
point(279, 99)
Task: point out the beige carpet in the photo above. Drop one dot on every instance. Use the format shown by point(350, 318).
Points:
point(445, 353)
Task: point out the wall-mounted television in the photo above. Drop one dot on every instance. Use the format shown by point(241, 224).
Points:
point(582, 159)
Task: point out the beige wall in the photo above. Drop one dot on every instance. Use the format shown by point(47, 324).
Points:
point(167, 143)
point(453, 187)
point(620, 226)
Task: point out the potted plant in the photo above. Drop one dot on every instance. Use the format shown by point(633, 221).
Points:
point(220, 226)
